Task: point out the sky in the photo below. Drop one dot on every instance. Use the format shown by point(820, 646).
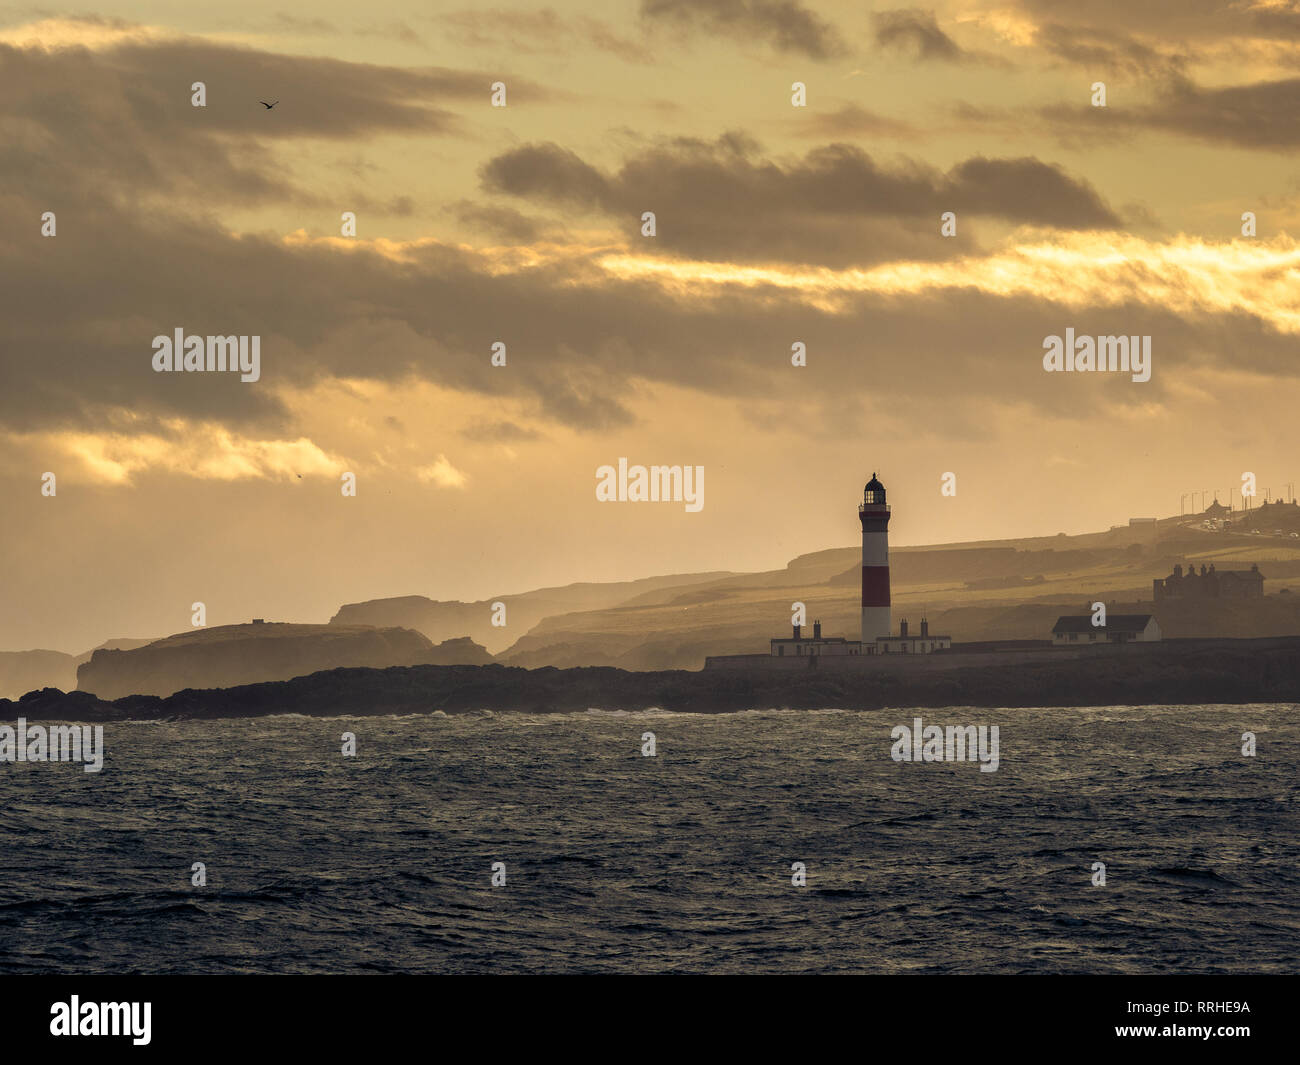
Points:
point(522, 225)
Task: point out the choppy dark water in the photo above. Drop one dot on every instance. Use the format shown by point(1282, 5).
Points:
point(681, 862)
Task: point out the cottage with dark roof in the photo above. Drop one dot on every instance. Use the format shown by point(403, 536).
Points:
point(1077, 630)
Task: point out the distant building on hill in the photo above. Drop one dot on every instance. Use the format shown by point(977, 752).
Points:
point(1209, 584)
point(1076, 629)
point(1147, 529)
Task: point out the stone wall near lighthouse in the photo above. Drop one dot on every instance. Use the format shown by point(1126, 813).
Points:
point(874, 515)
point(917, 663)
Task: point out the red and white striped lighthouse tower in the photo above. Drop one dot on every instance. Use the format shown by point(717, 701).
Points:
point(874, 515)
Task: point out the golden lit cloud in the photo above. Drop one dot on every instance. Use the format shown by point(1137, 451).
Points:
point(202, 451)
point(443, 474)
point(1185, 275)
point(92, 33)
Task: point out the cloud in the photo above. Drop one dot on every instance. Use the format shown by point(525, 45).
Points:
point(499, 432)
point(115, 121)
point(836, 205)
point(548, 172)
point(786, 25)
point(830, 246)
point(204, 451)
point(442, 473)
point(592, 331)
point(916, 31)
point(1263, 116)
point(1157, 38)
point(392, 31)
point(392, 207)
point(1174, 21)
point(1109, 52)
point(503, 223)
point(284, 22)
point(851, 120)
point(525, 31)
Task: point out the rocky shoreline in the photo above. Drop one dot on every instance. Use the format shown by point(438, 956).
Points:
point(1155, 674)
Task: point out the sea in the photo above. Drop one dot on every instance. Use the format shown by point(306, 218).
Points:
point(1131, 839)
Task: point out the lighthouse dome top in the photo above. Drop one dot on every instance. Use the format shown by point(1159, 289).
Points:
point(874, 492)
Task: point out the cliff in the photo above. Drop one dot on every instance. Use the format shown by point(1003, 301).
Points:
point(24, 671)
point(439, 619)
point(231, 655)
point(21, 671)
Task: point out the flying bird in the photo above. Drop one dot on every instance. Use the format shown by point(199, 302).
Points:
point(266, 105)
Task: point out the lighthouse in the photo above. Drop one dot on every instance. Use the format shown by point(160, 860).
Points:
point(874, 515)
